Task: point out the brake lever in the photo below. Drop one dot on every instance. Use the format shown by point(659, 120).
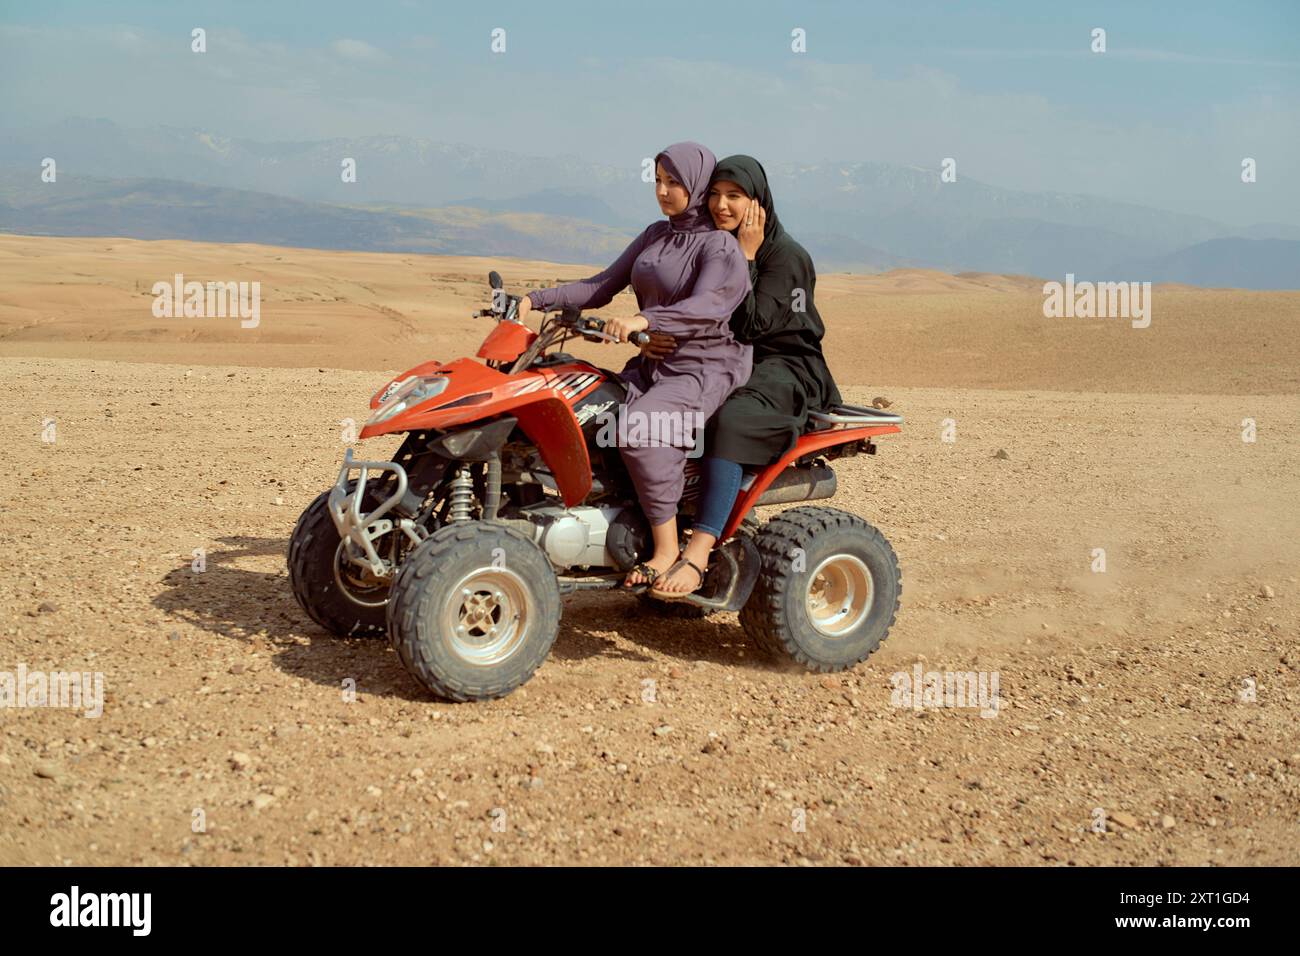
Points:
point(636, 338)
point(584, 329)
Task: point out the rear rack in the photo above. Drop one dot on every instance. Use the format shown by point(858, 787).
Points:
point(854, 415)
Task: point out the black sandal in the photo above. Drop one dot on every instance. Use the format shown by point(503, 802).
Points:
point(679, 595)
point(649, 573)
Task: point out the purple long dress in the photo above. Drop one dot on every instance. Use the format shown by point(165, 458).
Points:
point(688, 278)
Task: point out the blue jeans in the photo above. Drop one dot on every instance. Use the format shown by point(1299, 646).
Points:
point(720, 483)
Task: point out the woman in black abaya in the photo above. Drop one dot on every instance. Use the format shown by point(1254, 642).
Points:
point(762, 419)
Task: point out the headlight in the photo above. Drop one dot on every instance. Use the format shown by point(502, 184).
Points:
point(385, 393)
point(409, 395)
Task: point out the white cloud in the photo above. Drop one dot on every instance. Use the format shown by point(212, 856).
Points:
point(357, 50)
point(129, 40)
point(615, 110)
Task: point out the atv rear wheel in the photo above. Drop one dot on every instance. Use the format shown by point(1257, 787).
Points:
point(334, 593)
point(474, 611)
point(828, 590)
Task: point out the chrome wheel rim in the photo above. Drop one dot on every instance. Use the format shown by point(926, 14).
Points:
point(486, 618)
point(840, 594)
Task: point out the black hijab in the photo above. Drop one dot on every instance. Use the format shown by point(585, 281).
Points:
point(787, 342)
point(748, 173)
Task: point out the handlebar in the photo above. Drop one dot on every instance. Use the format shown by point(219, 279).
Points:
point(591, 328)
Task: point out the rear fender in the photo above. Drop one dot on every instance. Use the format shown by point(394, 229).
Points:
point(807, 444)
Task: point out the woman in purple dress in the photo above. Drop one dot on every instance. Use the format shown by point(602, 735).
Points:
point(688, 278)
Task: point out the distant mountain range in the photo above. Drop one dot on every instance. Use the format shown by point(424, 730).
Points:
point(422, 196)
point(1235, 263)
point(165, 209)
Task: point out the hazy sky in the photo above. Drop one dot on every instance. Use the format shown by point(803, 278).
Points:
point(1011, 90)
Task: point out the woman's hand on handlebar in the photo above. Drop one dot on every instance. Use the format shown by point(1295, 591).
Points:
point(523, 308)
point(620, 329)
point(660, 346)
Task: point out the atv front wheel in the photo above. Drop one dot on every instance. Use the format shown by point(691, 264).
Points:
point(827, 591)
point(335, 594)
point(474, 611)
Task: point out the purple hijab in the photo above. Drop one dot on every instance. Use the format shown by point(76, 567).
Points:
point(691, 165)
point(681, 252)
point(687, 275)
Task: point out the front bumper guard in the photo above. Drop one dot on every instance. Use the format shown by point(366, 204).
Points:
point(359, 530)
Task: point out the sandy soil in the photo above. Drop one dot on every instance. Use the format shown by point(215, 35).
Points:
point(1120, 690)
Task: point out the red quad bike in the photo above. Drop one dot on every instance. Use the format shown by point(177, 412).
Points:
point(504, 496)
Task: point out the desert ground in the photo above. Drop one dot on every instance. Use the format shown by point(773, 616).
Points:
point(1161, 693)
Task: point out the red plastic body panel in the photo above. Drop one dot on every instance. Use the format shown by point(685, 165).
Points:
point(540, 398)
point(549, 422)
point(506, 342)
point(807, 444)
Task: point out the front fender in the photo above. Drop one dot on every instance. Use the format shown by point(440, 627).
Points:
point(549, 422)
point(543, 414)
point(479, 393)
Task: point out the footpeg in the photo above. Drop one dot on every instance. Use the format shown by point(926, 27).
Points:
point(731, 577)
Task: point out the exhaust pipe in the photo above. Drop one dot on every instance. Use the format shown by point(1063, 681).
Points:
point(799, 484)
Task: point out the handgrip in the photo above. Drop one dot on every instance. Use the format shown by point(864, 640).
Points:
point(593, 324)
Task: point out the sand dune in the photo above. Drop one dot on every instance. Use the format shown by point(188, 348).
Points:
point(91, 298)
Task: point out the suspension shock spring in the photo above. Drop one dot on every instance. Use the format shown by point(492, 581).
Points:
point(460, 496)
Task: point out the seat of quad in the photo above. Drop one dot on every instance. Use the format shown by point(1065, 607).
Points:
point(851, 416)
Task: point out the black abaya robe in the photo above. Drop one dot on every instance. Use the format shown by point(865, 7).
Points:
point(763, 418)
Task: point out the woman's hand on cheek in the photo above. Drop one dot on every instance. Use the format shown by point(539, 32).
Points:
point(750, 233)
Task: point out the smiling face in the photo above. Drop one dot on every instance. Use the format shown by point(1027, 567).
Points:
point(727, 204)
point(673, 196)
